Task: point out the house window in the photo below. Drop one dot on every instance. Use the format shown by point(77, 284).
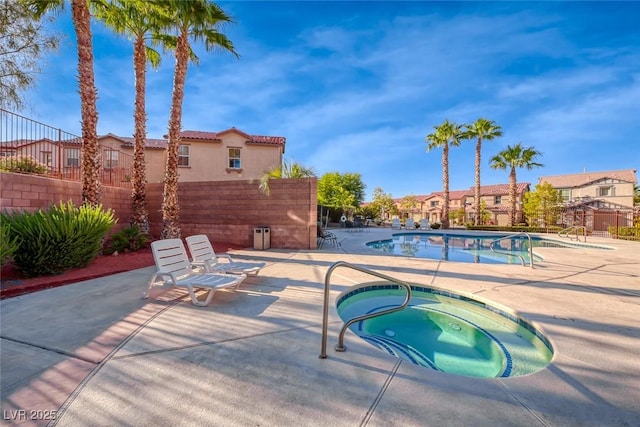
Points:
point(183, 155)
point(45, 158)
point(111, 159)
point(497, 200)
point(234, 158)
point(565, 195)
point(73, 157)
point(606, 191)
point(434, 203)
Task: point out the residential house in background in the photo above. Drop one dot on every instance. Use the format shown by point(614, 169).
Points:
point(62, 157)
point(202, 156)
point(595, 190)
point(596, 200)
point(212, 156)
point(431, 206)
point(495, 199)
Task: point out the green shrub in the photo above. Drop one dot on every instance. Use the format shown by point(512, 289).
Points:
point(54, 240)
point(22, 164)
point(625, 233)
point(129, 239)
point(8, 244)
point(435, 225)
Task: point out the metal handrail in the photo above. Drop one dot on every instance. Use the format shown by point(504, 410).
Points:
point(325, 313)
point(565, 232)
point(512, 254)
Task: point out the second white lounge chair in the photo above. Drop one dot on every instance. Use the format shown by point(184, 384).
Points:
point(174, 267)
point(204, 257)
point(424, 224)
point(395, 223)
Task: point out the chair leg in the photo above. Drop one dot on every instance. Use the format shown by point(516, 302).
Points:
point(196, 301)
point(145, 295)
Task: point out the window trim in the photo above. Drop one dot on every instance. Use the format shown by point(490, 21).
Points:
point(230, 158)
point(67, 157)
point(184, 156)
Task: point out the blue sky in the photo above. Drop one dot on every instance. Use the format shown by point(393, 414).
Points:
point(356, 86)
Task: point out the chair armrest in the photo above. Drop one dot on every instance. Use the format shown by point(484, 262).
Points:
point(227, 256)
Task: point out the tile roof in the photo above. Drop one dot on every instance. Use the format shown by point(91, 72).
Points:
point(215, 136)
point(17, 143)
point(196, 135)
point(200, 135)
point(485, 190)
point(499, 189)
point(585, 178)
point(128, 142)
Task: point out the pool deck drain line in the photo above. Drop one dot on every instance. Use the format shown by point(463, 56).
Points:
point(376, 401)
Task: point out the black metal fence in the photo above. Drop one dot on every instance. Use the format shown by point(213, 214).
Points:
point(28, 146)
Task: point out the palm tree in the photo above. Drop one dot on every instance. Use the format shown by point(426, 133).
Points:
point(511, 158)
point(447, 133)
point(91, 162)
point(140, 20)
point(288, 169)
point(481, 129)
point(199, 20)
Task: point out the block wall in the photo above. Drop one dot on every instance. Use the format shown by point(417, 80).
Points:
point(20, 192)
point(230, 211)
point(226, 211)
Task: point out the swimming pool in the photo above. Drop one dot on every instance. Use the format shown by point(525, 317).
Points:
point(446, 331)
point(468, 247)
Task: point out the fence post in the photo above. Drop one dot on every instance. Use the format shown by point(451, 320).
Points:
point(60, 152)
point(616, 223)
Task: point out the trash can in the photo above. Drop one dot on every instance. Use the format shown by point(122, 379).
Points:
point(261, 237)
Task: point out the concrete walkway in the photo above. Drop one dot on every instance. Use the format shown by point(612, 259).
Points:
point(95, 353)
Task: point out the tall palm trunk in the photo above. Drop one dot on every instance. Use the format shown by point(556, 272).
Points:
point(477, 188)
point(138, 195)
point(91, 160)
point(512, 196)
point(170, 207)
point(445, 185)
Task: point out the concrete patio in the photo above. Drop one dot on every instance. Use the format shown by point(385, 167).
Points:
point(95, 353)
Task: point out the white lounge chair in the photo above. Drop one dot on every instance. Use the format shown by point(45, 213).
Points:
point(395, 223)
point(409, 224)
point(174, 267)
point(424, 224)
point(204, 257)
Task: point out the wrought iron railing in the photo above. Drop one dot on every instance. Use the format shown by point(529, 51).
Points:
point(29, 146)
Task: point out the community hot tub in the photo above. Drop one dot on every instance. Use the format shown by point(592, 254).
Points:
point(446, 331)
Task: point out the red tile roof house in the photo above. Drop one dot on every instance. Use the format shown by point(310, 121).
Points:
point(595, 190)
point(210, 156)
point(63, 157)
point(496, 198)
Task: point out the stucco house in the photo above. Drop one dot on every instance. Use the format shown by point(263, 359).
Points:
point(209, 156)
point(595, 190)
point(462, 207)
point(62, 157)
point(496, 201)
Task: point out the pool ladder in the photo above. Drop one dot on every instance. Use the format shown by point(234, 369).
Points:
point(512, 254)
point(325, 313)
point(576, 229)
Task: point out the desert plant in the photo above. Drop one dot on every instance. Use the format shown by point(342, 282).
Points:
point(435, 225)
point(22, 164)
point(129, 239)
point(54, 240)
point(8, 244)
